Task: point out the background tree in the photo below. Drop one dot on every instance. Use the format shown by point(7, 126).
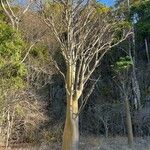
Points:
point(123, 69)
point(140, 16)
point(125, 12)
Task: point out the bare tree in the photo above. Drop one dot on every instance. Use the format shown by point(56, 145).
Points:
point(90, 31)
point(124, 84)
point(14, 17)
point(85, 33)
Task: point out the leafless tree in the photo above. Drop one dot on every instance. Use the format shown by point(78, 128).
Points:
point(124, 84)
point(90, 31)
point(12, 15)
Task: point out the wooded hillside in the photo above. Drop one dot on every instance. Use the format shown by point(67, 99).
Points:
point(74, 72)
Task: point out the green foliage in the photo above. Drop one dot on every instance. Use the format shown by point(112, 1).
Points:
point(142, 8)
point(39, 55)
point(2, 16)
point(39, 52)
point(140, 14)
point(122, 64)
point(119, 27)
point(12, 71)
point(101, 9)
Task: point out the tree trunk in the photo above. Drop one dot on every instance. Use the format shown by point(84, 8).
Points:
point(135, 83)
point(106, 130)
point(147, 51)
point(129, 123)
point(71, 130)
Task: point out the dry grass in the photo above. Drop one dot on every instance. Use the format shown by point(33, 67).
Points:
point(95, 143)
point(114, 143)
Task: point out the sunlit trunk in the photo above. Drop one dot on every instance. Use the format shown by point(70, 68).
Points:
point(71, 130)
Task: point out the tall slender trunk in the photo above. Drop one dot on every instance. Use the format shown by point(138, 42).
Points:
point(132, 53)
point(135, 82)
point(71, 130)
point(147, 51)
point(129, 123)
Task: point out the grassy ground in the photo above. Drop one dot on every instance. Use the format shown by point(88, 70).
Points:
point(95, 143)
point(117, 143)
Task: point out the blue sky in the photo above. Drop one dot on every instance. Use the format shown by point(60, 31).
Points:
point(107, 2)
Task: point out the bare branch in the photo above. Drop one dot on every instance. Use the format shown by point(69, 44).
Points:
point(8, 14)
point(28, 6)
point(58, 68)
point(29, 49)
point(87, 96)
